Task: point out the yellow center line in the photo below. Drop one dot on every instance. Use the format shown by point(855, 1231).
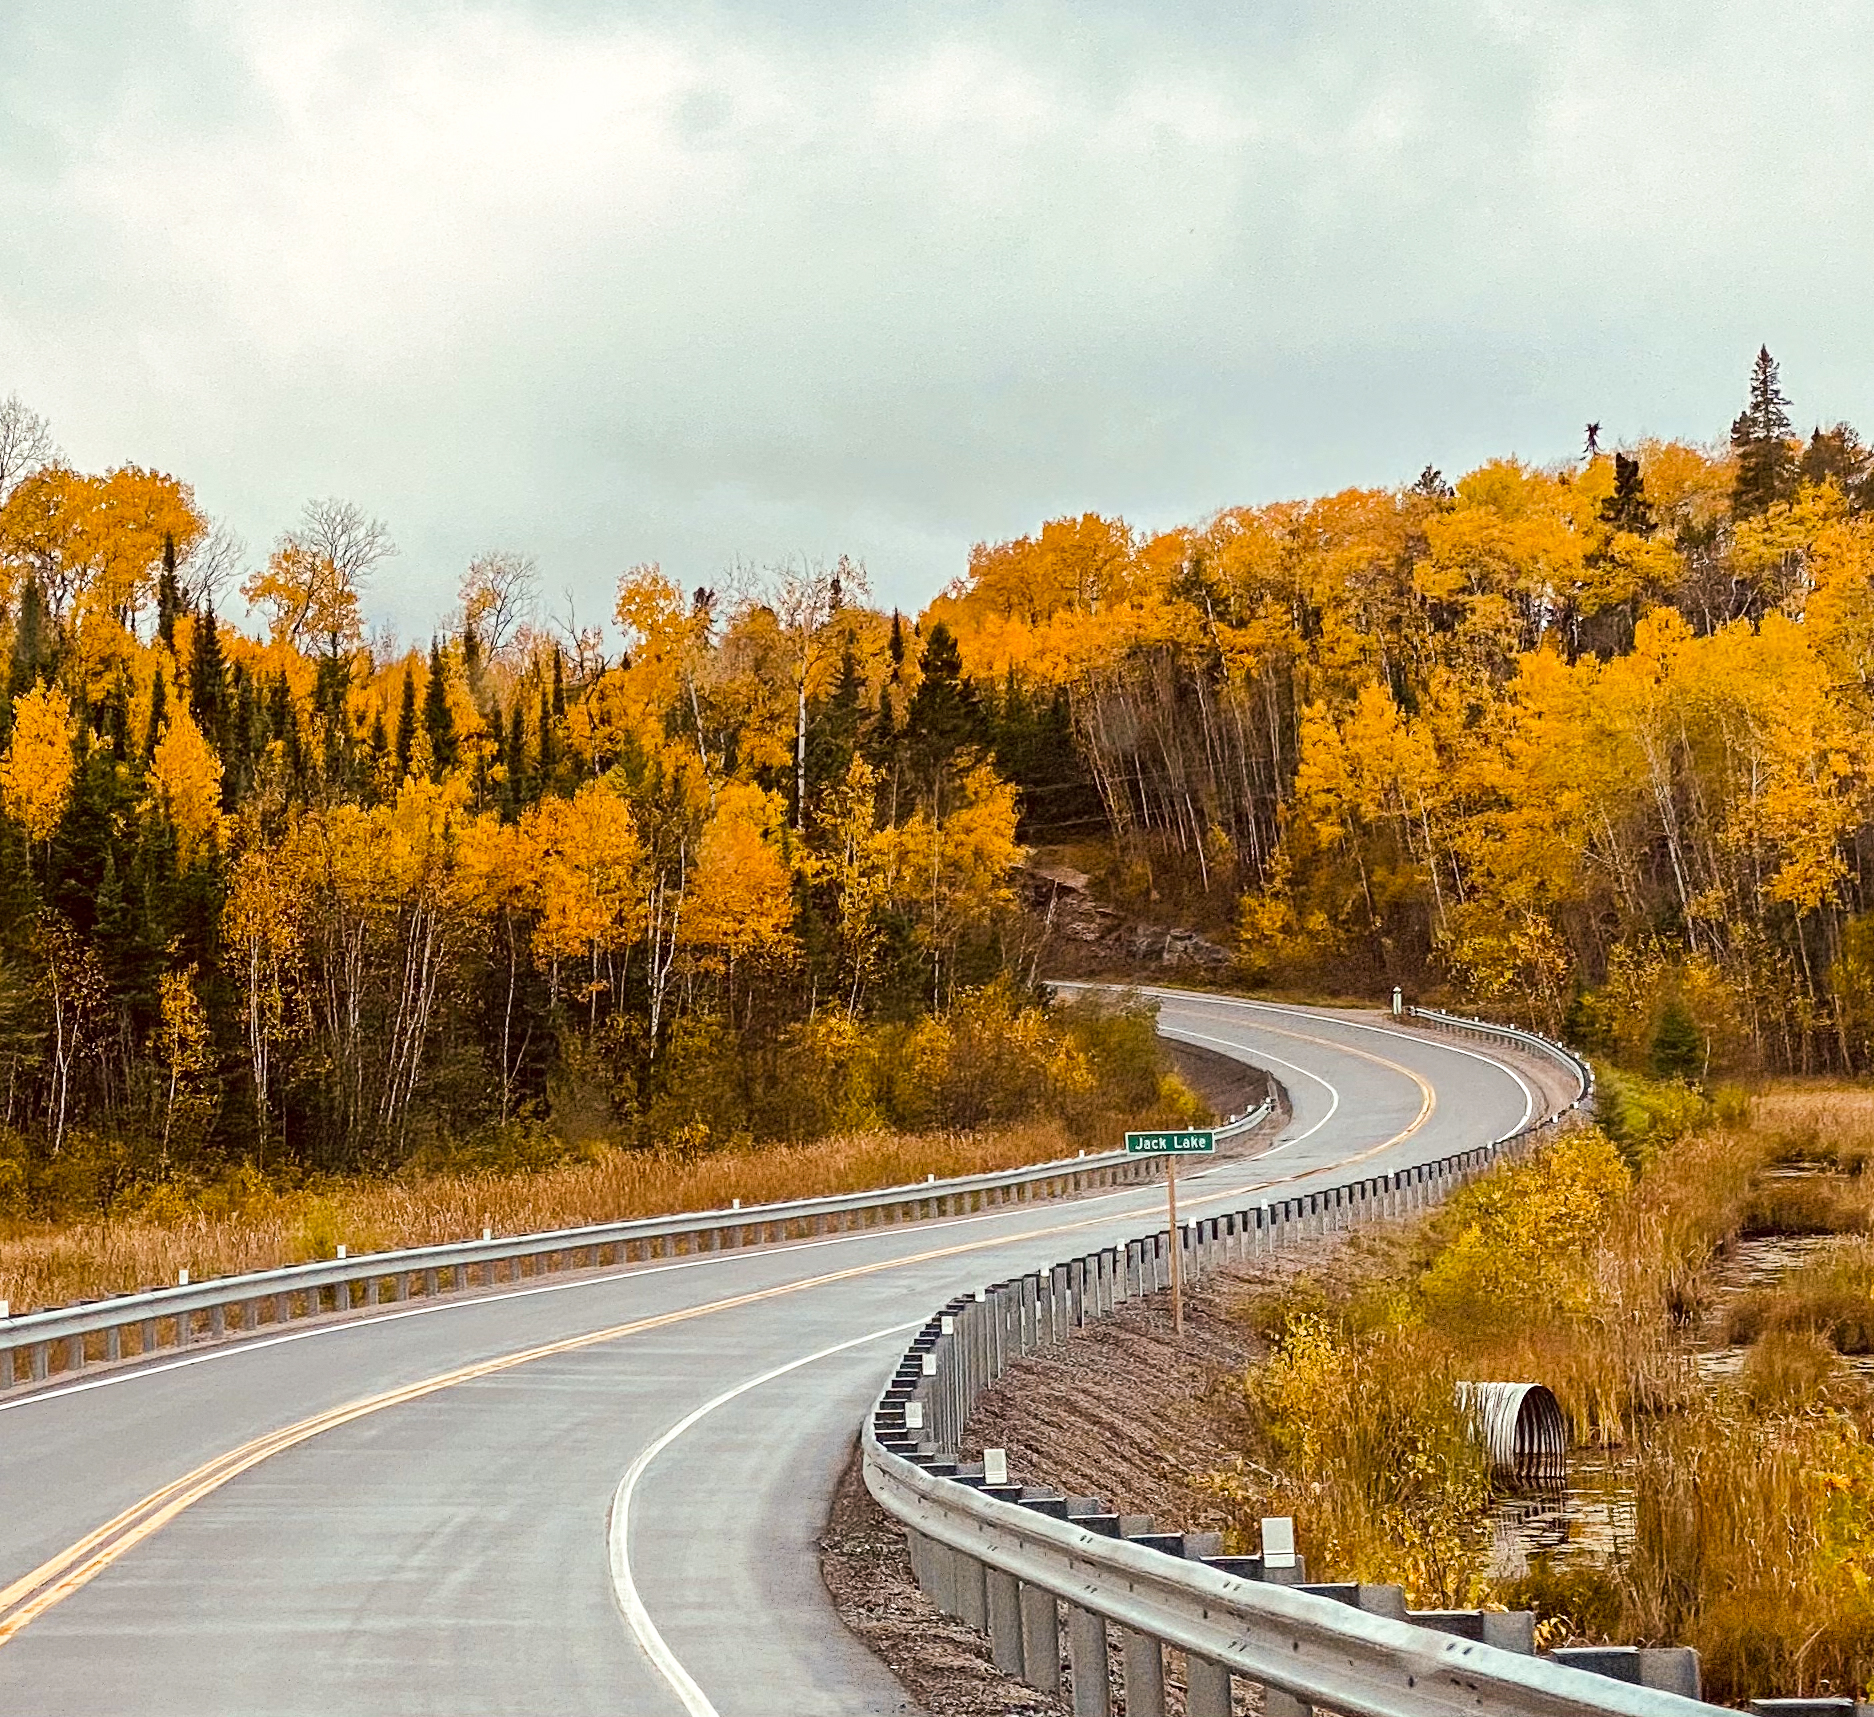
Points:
point(57, 1578)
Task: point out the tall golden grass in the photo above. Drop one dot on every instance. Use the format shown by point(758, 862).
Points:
point(244, 1224)
point(1752, 1497)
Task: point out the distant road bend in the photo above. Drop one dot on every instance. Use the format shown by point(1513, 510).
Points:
point(599, 1494)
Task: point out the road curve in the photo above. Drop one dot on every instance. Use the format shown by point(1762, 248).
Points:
point(624, 1522)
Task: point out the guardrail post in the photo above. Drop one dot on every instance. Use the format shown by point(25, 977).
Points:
point(1086, 1651)
point(42, 1360)
point(1041, 1641)
point(1207, 1689)
point(1005, 1621)
point(6, 1368)
point(1277, 1703)
point(74, 1353)
point(939, 1581)
point(972, 1589)
point(1145, 1674)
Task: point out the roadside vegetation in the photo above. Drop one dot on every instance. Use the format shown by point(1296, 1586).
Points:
point(991, 1083)
point(1740, 1486)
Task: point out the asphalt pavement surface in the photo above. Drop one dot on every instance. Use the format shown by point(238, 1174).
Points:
point(626, 1523)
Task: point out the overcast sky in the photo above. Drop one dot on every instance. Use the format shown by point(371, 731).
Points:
point(612, 283)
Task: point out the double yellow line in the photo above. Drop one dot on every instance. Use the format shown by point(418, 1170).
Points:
point(57, 1578)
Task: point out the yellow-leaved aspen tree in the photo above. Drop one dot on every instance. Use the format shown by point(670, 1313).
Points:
point(36, 773)
point(187, 776)
point(258, 926)
point(187, 1049)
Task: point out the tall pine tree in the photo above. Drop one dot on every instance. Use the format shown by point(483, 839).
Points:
point(1760, 437)
point(1627, 508)
point(208, 681)
point(438, 717)
point(169, 603)
point(406, 726)
point(944, 716)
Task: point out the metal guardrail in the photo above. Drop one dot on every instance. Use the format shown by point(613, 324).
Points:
point(1489, 1031)
point(1018, 1562)
point(65, 1340)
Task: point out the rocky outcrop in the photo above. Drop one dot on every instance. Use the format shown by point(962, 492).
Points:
point(1086, 937)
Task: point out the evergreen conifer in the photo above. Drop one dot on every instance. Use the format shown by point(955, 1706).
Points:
point(1760, 437)
point(438, 717)
point(406, 726)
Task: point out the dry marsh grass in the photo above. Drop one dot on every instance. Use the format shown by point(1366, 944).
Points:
point(1829, 1296)
point(1812, 1122)
point(244, 1224)
point(1752, 1497)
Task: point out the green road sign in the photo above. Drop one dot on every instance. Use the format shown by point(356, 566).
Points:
point(1170, 1144)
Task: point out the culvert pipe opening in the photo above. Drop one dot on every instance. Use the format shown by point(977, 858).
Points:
point(1522, 1428)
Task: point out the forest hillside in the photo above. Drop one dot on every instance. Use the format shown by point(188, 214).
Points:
point(1591, 745)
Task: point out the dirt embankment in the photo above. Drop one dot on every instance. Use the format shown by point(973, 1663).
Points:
point(1229, 1086)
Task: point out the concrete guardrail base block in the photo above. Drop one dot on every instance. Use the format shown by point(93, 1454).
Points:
point(1207, 1689)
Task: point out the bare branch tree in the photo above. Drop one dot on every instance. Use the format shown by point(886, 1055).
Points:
point(804, 600)
point(312, 582)
point(211, 567)
point(342, 535)
point(583, 645)
point(499, 591)
point(26, 443)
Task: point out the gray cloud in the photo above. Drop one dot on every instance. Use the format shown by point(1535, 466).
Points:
point(693, 284)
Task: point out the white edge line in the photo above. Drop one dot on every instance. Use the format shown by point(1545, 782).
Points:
point(625, 1589)
point(1183, 1034)
point(1320, 1016)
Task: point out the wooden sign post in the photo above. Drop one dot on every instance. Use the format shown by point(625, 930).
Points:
point(1171, 1146)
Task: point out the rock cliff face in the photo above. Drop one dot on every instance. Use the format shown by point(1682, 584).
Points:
point(1084, 938)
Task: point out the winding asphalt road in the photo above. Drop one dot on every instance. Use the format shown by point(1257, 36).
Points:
point(624, 1522)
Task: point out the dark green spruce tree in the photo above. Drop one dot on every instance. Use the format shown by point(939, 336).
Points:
point(208, 682)
point(1760, 437)
point(169, 603)
point(438, 717)
point(406, 726)
point(1627, 508)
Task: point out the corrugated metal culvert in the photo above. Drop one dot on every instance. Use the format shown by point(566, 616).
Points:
point(1521, 1424)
